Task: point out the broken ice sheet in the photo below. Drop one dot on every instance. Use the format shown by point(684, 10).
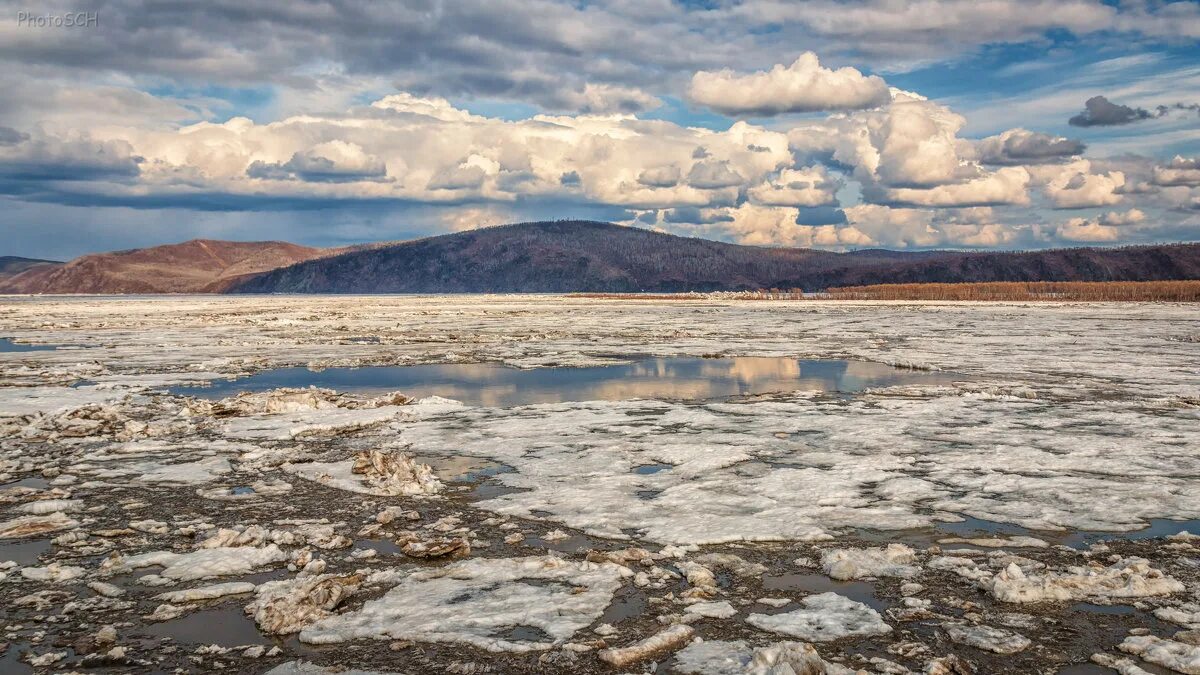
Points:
point(872, 463)
point(825, 617)
point(202, 564)
point(480, 601)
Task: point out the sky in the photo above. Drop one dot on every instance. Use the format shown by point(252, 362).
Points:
point(972, 124)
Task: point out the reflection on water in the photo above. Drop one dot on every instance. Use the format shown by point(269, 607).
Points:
point(671, 378)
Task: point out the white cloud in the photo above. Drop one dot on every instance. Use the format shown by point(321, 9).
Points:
point(804, 86)
point(1084, 230)
point(1074, 186)
point(807, 186)
point(609, 98)
point(1178, 172)
point(771, 225)
point(714, 174)
point(1005, 186)
point(1130, 217)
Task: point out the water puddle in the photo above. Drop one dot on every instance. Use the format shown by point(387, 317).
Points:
point(972, 528)
point(812, 583)
point(7, 345)
point(24, 552)
point(659, 378)
point(228, 627)
point(31, 482)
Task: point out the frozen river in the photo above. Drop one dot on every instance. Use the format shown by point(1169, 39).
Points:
point(543, 484)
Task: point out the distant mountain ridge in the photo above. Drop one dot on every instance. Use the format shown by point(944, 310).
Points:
point(196, 266)
point(586, 256)
point(564, 257)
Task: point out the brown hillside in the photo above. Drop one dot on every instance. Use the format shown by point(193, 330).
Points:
point(197, 266)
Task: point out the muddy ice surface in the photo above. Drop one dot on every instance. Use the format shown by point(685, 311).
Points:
point(1023, 500)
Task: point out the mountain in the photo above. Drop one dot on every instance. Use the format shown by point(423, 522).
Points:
point(12, 265)
point(569, 256)
point(197, 266)
point(563, 257)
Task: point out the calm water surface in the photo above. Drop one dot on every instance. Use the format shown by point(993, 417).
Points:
point(659, 378)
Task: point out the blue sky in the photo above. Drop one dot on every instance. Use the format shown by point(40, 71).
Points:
point(941, 124)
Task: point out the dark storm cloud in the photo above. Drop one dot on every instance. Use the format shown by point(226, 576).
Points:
point(1028, 147)
point(692, 215)
point(820, 215)
point(317, 169)
point(1100, 112)
point(81, 159)
point(10, 136)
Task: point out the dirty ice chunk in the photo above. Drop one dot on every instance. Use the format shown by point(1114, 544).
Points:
point(479, 601)
point(1177, 656)
point(206, 592)
point(45, 506)
point(713, 657)
point(717, 657)
point(31, 526)
point(998, 542)
point(666, 640)
point(373, 472)
point(712, 610)
point(305, 668)
point(792, 657)
point(53, 573)
point(205, 563)
point(985, 637)
point(827, 616)
point(1187, 615)
point(286, 426)
point(288, 605)
point(1126, 578)
point(849, 563)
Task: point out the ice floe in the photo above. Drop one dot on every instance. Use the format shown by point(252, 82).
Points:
point(825, 617)
point(201, 564)
point(894, 560)
point(474, 601)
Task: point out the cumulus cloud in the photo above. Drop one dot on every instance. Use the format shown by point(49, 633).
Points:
point(807, 186)
point(1098, 111)
point(804, 86)
point(74, 158)
point(908, 151)
point(606, 98)
point(1117, 219)
point(1020, 146)
point(330, 162)
point(427, 150)
point(1089, 231)
point(1075, 186)
point(1004, 186)
point(1179, 172)
point(768, 225)
point(711, 175)
point(461, 177)
point(661, 176)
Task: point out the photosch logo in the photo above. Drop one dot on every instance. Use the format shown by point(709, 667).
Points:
point(68, 20)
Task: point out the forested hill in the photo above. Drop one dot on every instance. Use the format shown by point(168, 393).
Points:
point(574, 256)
